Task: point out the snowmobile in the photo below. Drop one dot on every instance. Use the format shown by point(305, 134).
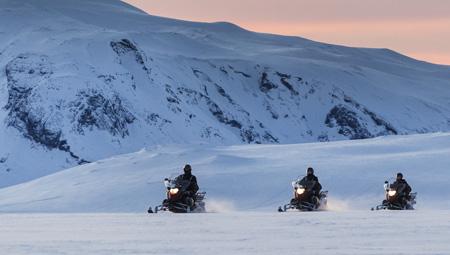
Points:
point(176, 201)
point(395, 199)
point(304, 200)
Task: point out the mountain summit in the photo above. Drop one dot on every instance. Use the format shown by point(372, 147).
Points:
point(84, 80)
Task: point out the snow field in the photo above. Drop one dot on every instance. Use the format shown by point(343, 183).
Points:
point(383, 232)
point(245, 177)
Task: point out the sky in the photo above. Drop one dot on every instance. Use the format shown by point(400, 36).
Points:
point(417, 28)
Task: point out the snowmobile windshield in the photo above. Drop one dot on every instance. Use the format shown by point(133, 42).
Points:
point(308, 184)
point(296, 184)
point(399, 187)
point(181, 183)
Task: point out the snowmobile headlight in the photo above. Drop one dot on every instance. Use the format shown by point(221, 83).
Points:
point(392, 193)
point(300, 191)
point(174, 191)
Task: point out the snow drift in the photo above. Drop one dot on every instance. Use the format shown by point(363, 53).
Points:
point(246, 177)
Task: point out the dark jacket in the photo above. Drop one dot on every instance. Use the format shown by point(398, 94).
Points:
point(402, 186)
point(311, 183)
point(193, 186)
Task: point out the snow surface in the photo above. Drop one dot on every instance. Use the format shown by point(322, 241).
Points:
point(83, 80)
point(246, 177)
point(387, 232)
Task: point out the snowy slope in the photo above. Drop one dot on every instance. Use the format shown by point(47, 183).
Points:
point(334, 233)
point(246, 177)
point(85, 80)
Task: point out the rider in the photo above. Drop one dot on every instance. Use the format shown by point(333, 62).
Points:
point(192, 189)
point(311, 183)
point(402, 188)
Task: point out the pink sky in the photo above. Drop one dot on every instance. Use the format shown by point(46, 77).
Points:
point(417, 28)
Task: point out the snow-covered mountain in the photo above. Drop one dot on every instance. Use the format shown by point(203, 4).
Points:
point(82, 80)
point(246, 177)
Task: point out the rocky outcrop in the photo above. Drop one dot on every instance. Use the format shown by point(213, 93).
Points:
point(347, 122)
point(356, 121)
point(125, 47)
point(93, 109)
point(24, 73)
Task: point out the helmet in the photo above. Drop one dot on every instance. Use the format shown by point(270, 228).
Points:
point(310, 170)
point(187, 168)
point(399, 175)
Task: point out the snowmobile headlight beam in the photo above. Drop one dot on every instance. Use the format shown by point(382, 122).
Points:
point(392, 193)
point(174, 191)
point(300, 191)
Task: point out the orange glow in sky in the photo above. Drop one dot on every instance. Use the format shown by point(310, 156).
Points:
point(417, 28)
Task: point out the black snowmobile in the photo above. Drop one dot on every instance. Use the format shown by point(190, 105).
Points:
point(176, 201)
point(304, 199)
point(396, 199)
